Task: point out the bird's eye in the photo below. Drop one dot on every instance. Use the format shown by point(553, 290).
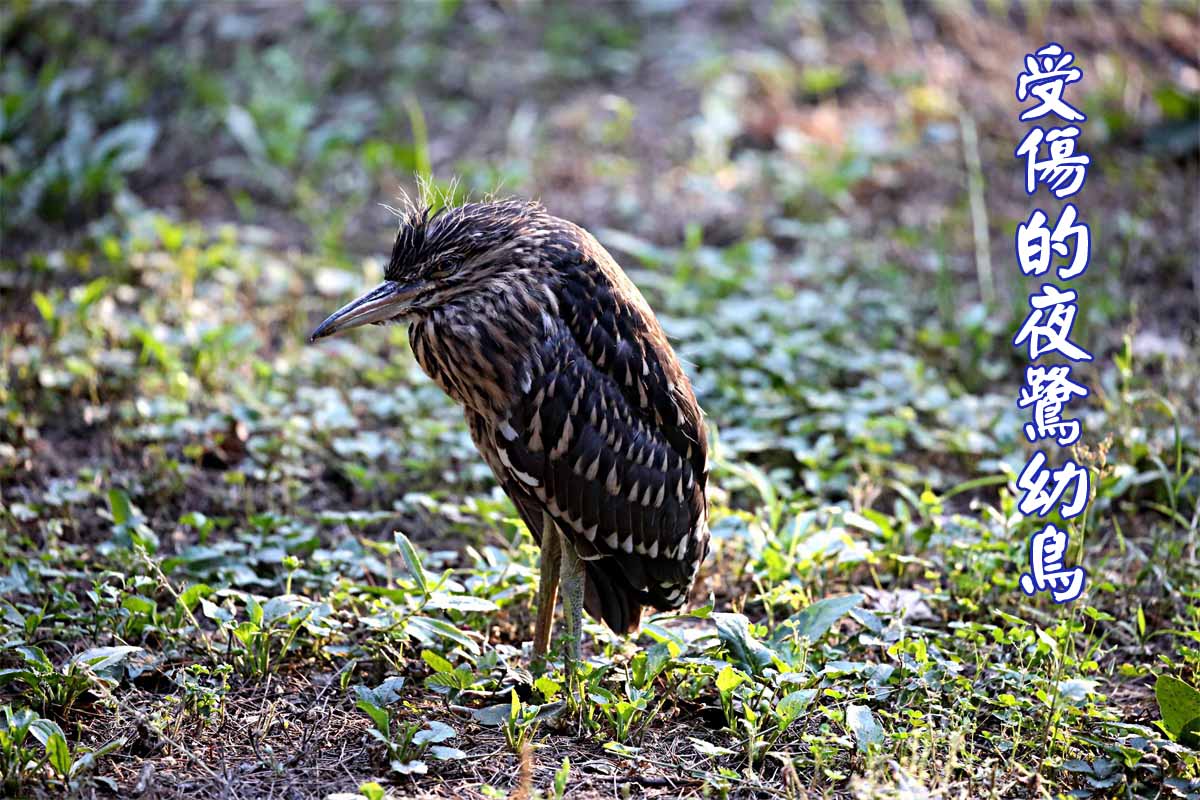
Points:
point(443, 269)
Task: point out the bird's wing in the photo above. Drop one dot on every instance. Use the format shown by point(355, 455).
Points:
point(633, 506)
point(528, 506)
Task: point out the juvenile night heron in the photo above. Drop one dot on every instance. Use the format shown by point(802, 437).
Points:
point(572, 394)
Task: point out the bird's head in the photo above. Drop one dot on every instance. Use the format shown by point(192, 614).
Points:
point(442, 256)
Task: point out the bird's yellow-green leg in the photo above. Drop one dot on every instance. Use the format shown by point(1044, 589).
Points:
point(547, 589)
point(571, 575)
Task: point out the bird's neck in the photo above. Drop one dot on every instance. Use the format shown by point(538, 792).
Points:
point(478, 347)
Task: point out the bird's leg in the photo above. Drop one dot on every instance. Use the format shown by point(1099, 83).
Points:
point(547, 588)
point(572, 587)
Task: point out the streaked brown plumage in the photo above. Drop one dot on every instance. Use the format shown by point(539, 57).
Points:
point(571, 391)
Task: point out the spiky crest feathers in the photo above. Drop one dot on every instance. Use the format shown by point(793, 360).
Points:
point(432, 227)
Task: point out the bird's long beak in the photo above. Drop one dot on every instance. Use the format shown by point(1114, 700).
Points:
point(387, 300)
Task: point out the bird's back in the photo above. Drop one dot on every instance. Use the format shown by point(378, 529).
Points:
point(579, 405)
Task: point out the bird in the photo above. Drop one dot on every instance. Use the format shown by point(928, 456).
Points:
point(572, 394)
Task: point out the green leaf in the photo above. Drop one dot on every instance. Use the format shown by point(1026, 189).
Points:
point(734, 630)
point(436, 732)
point(412, 561)
point(9, 675)
point(547, 687)
point(58, 753)
point(254, 610)
point(815, 621)
point(90, 294)
point(372, 790)
point(792, 706)
point(862, 724)
point(1179, 706)
point(280, 607)
point(139, 605)
point(87, 762)
point(428, 630)
point(192, 595)
point(436, 662)
point(44, 730)
point(380, 716)
point(120, 506)
point(45, 306)
point(245, 131)
point(409, 767)
point(128, 145)
point(561, 777)
point(103, 658)
point(384, 694)
point(492, 716)
point(446, 753)
point(709, 749)
point(460, 602)
point(729, 679)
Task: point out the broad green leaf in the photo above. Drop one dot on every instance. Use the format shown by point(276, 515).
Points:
point(622, 749)
point(10, 675)
point(103, 658)
point(58, 753)
point(1178, 704)
point(87, 761)
point(384, 694)
point(436, 662)
point(436, 732)
point(139, 605)
point(460, 602)
point(446, 753)
point(409, 767)
point(380, 716)
point(280, 607)
point(246, 632)
point(862, 724)
point(192, 595)
point(128, 145)
point(815, 621)
point(492, 716)
point(734, 630)
point(216, 613)
point(254, 610)
point(729, 679)
point(44, 729)
point(792, 705)
point(547, 687)
point(245, 131)
point(429, 630)
point(35, 657)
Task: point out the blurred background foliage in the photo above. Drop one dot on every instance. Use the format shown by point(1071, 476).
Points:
point(820, 201)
